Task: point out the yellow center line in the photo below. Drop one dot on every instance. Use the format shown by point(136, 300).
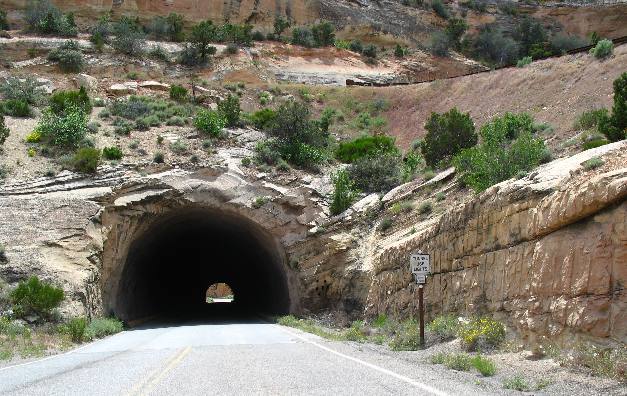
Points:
point(147, 385)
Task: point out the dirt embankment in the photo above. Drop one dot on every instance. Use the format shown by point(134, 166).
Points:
point(555, 91)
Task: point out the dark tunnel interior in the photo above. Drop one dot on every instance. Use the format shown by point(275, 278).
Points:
point(171, 265)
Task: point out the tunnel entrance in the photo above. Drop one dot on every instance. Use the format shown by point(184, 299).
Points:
point(171, 264)
point(219, 293)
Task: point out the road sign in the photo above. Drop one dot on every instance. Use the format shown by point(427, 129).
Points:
point(420, 263)
point(421, 279)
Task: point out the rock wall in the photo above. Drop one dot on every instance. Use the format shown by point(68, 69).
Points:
point(546, 254)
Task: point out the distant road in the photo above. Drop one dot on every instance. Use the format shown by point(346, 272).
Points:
point(242, 358)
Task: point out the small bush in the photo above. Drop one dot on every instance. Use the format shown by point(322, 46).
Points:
point(44, 17)
point(425, 207)
point(230, 110)
point(603, 49)
point(563, 43)
point(67, 129)
point(323, 34)
point(591, 118)
point(385, 224)
point(485, 366)
point(132, 108)
point(447, 135)
point(407, 338)
point(440, 9)
point(33, 137)
point(210, 122)
point(129, 37)
point(158, 157)
point(440, 44)
point(524, 61)
point(86, 160)
point(365, 146)
point(26, 89)
point(356, 46)
point(4, 24)
point(61, 101)
point(262, 119)
point(481, 333)
point(232, 49)
point(69, 60)
point(179, 147)
point(376, 174)
point(303, 36)
point(15, 108)
point(517, 382)
point(76, 329)
point(495, 159)
point(370, 51)
point(178, 93)
point(112, 153)
point(102, 327)
point(592, 163)
point(343, 192)
point(4, 131)
point(440, 196)
point(35, 297)
point(355, 332)
point(494, 47)
point(445, 327)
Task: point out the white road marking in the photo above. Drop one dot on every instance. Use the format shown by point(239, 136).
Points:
point(415, 383)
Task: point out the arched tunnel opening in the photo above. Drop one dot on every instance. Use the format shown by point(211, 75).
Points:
point(170, 266)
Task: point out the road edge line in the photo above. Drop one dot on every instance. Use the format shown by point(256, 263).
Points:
point(403, 378)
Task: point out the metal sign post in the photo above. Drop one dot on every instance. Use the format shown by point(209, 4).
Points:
point(420, 265)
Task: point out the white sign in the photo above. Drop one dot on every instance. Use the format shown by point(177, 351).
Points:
point(420, 263)
point(421, 279)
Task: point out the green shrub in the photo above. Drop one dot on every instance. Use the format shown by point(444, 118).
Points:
point(61, 101)
point(201, 36)
point(447, 134)
point(35, 297)
point(69, 60)
point(407, 337)
point(517, 382)
point(178, 93)
point(455, 29)
point(43, 17)
point(175, 121)
point(132, 108)
point(4, 24)
point(615, 127)
point(179, 147)
point(440, 196)
point(445, 327)
point(299, 139)
point(25, 89)
point(458, 362)
point(267, 152)
point(231, 49)
point(210, 122)
point(481, 333)
point(356, 46)
point(262, 119)
point(377, 173)
point(440, 9)
point(4, 131)
point(401, 207)
point(484, 365)
point(385, 224)
point(425, 207)
point(590, 119)
point(602, 49)
point(15, 108)
point(343, 192)
point(102, 327)
point(230, 110)
point(129, 37)
point(67, 129)
point(495, 159)
point(303, 36)
point(562, 43)
point(323, 34)
point(370, 51)
point(355, 332)
point(365, 146)
point(440, 44)
point(513, 125)
point(76, 329)
point(494, 47)
point(592, 163)
point(112, 153)
point(158, 157)
point(86, 160)
point(524, 61)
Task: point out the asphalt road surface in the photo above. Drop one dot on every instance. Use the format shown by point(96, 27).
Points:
point(225, 358)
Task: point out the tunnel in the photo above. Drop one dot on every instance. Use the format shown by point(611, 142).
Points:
point(171, 264)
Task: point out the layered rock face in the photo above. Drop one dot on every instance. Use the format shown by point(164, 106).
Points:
point(546, 254)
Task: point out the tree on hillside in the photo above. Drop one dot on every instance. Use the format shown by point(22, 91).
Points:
point(202, 35)
point(455, 30)
point(447, 135)
point(614, 127)
point(280, 24)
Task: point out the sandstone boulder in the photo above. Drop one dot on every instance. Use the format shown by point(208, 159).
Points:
point(154, 85)
point(86, 81)
point(124, 88)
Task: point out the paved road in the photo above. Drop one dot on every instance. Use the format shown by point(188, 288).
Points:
point(224, 359)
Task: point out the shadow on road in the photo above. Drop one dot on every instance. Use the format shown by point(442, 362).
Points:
point(218, 313)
